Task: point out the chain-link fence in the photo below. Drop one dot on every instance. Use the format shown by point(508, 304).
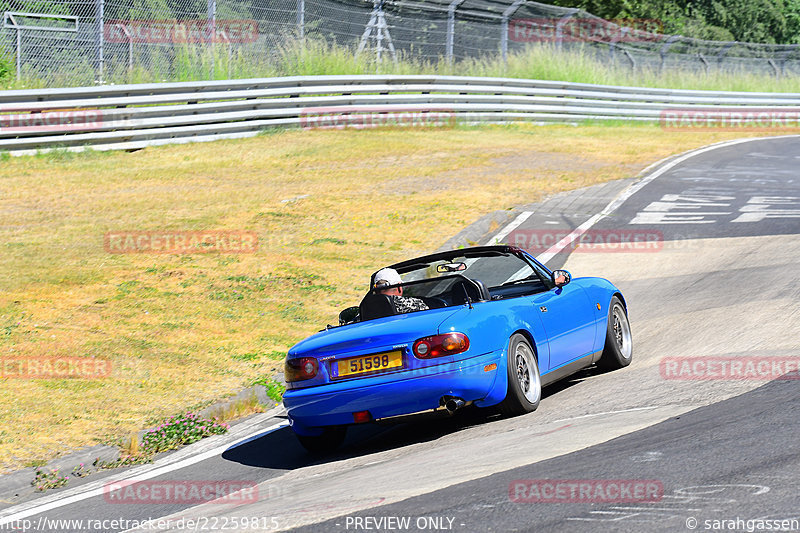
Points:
point(80, 42)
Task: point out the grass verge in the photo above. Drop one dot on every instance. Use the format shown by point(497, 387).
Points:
point(329, 208)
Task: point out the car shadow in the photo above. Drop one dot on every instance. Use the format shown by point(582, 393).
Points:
point(571, 381)
point(280, 450)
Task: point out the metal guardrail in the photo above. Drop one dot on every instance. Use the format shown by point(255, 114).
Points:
point(130, 117)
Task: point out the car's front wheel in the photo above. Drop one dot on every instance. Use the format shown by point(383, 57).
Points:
point(618, 350)
point(524, 382)
point(330, 439)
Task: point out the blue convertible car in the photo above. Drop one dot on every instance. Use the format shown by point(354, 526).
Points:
point(491, 327)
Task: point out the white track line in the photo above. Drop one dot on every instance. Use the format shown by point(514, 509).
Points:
point(633, 409)
point(517, 222)
point(90, 490)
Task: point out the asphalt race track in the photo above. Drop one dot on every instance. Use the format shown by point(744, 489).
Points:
point(716, 280)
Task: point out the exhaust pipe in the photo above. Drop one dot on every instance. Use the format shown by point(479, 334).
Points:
point(454, 404)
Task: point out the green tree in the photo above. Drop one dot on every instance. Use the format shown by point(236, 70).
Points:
point(761, 21)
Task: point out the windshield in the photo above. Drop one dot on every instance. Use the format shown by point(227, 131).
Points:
point(494, 269)
point(449, 279)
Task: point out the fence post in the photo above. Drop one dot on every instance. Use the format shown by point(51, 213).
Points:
point(377, 23)
point(775, 68)
point(631, 59)
point(130, 50)
point(301, 18)
point(19, 54)
point(99, 16)
point(451, 28)
point(704, 61)
point(560, 27)
point(663, 52)
point(785, 57)
point(723, 52)
point(510, 10)
point(612, 44)
point(211, 30)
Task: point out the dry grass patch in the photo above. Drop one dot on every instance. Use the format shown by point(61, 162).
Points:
point(183, 330)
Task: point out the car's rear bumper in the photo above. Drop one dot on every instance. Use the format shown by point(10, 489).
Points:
point(411, 392)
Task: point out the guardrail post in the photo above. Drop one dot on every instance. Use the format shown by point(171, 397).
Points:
point(451, 28)
point(510, 10)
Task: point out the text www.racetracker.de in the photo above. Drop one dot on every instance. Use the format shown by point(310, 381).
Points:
point(226, 523)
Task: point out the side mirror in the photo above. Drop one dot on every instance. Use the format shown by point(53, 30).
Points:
point(561, 277)
point(348, 315)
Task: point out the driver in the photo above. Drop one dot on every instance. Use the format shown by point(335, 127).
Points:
point(402, 304)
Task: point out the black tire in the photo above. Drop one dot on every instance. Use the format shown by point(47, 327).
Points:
point(618, 349)
point(524, 382)
point(331, 438)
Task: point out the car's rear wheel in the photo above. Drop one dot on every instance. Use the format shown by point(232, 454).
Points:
point(618, 350)
point(331, 438)
point(524, 382)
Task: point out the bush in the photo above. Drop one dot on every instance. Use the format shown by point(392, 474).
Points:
point(6, 67)
point(178, 430)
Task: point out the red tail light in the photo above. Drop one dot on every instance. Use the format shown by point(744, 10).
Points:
point(300, 369)
point(441, 345)
point(360, 417)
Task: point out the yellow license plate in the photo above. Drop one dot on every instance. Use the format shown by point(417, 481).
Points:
point(368, 364)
